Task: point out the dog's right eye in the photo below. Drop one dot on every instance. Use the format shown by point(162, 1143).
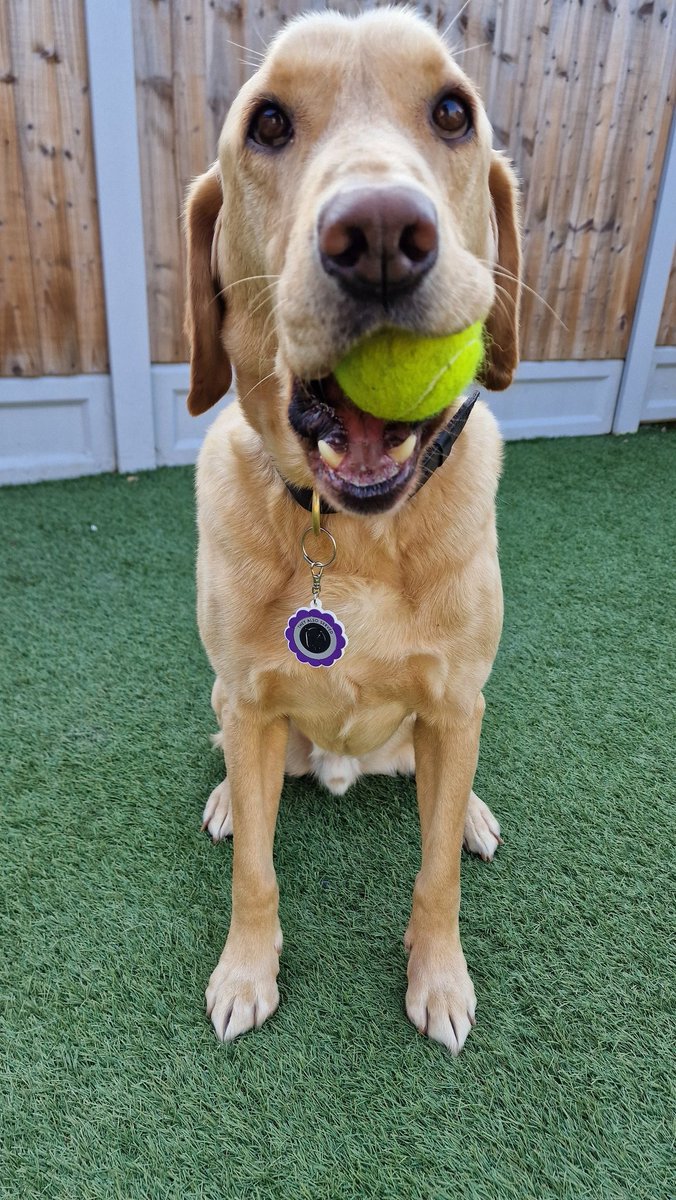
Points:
point(270, 126)
point(452, 117)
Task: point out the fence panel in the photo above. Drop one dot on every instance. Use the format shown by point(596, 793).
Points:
point(579, 95)
point(53, 317)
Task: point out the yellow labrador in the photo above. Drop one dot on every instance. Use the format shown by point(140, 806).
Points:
point(355, 189)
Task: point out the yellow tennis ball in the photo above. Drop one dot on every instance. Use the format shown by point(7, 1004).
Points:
point(398, 376)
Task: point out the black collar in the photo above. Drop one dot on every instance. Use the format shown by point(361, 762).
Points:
point(435, 455)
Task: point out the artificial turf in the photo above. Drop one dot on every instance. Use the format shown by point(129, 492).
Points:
point(115, 907)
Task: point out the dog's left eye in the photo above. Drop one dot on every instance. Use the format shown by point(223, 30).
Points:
point(452, 117)
point(270, 126)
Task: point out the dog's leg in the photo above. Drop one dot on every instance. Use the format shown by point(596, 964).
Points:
point(297, 753)
point(217, 815)
point(440, 999)
point(242, 991)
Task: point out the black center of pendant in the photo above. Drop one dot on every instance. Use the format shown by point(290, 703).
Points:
point(315, 638)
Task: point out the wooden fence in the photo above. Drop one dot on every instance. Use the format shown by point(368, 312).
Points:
point(578, 95)
point(579, 92)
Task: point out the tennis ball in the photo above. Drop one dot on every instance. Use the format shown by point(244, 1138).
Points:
point(398, 376)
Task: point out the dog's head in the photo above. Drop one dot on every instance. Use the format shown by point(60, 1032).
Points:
point(356, 189)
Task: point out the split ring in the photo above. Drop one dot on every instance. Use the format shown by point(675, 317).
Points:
point(317, 562)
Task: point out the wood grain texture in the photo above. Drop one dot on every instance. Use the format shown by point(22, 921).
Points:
point(667, 332)
point(579, 94)
point(79, 184)
point(59, 322)
point(19, 331)
point(162, 196)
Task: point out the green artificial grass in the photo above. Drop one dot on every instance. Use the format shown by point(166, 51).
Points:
point(115, 907)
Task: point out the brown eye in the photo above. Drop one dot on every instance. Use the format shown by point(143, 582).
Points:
point(270, 126)
point(452, 117)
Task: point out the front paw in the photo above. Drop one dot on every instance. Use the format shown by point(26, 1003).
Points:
point(242, 991)
point(440, 1000)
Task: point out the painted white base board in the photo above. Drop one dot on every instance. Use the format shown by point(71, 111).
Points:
point(178, 436)
point(60, 426)
point(659, 403)
point(55, 427)
point(558, 399)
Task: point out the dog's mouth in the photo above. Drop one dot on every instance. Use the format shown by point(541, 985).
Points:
point(361, 462)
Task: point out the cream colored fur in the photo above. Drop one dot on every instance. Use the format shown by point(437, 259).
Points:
point(418, 588)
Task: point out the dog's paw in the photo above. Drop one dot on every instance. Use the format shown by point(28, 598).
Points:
point(482, 831)
point(242, 991)
point(217, 816)
point(440, 1000)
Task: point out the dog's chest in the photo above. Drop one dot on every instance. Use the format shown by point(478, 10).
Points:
point(397, 661)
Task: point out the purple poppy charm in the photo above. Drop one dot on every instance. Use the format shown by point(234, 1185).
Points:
point(316, 636)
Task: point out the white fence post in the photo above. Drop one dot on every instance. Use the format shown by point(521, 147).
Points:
point(650, 302)
point(110, 49)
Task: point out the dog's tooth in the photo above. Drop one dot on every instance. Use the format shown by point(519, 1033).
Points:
point(331, 457)
point(401, 454)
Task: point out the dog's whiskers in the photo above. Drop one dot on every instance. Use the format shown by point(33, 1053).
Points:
point(501, 299)
point(264, 296)
point(261, 39)
point(466, 50)
point(536, 295)
point(256, 385)
point(457, 17)
point(246, 279)
point(495, 267)
point(271, 315)
point(247, 49)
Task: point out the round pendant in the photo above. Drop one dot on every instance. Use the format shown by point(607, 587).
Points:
point(316, 636)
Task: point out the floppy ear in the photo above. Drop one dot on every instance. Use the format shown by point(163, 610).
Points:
point(210, 372)
point(502, 324)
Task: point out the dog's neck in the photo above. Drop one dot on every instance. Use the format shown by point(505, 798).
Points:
point(435, 456)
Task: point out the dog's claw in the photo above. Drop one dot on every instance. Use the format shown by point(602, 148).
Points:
point(440, 1000)
point(242, 992)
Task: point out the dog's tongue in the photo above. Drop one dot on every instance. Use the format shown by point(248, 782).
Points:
point(362, 441)
point(365, 438)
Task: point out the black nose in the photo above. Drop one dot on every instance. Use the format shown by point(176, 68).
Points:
point(378, 240)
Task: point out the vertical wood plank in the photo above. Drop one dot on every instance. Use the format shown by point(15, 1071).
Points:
point(226, 68)
point(36, 58)
point(19, 329)
point(192, 152)
point(667, 331)
point(162, 198)
point(79, 184)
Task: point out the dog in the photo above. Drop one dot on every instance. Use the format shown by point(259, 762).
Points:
point(356, 189)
